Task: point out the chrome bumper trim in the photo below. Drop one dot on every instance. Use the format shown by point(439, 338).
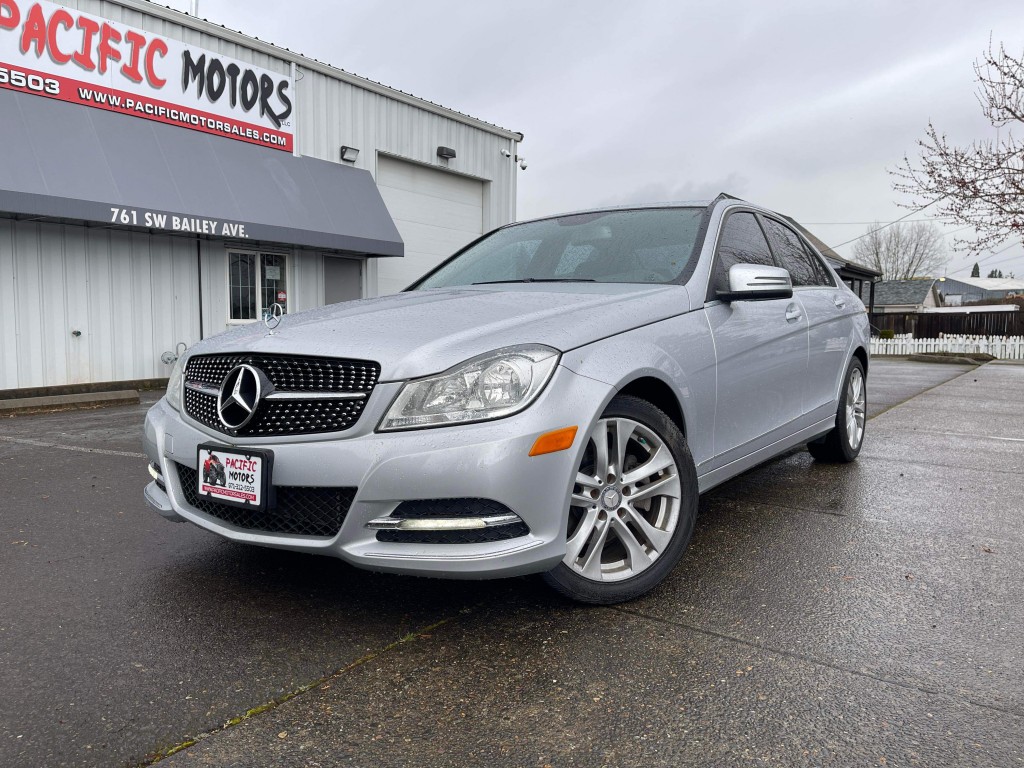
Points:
point(440, 523)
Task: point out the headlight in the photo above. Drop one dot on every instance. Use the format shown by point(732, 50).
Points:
point(174, 384)
point(490, 386)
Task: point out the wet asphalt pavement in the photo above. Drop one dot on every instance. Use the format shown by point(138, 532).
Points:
point(868, 614)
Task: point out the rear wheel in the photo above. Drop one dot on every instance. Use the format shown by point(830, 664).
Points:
point(632, 509)
point(844, 442)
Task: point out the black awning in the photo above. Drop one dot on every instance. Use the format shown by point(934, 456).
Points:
point(70, 163)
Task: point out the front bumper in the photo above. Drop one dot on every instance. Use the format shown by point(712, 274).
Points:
point(488, 460)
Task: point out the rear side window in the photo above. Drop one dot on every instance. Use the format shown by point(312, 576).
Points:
point(823, 272)
point(741, 242)
point(804, 267)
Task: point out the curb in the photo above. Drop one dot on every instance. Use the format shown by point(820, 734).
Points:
point(27, 405)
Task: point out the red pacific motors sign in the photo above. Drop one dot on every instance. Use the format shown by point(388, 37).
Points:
point(60, 53)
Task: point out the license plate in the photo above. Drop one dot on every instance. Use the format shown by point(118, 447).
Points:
point(240, 478)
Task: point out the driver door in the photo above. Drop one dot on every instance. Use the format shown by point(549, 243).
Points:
point(760, 348)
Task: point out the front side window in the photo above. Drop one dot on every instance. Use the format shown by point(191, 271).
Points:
point(741, 242)
point(256, 281)
point(648, 245)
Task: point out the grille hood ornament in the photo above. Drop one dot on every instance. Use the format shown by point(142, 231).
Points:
point(240, 395)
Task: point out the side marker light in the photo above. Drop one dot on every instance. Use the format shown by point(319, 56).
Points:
point(552, 442)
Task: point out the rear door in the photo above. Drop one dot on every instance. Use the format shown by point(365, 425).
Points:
point(760, 347)
point(829, 309)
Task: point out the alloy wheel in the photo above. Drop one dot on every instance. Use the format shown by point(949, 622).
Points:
point(625, 502)
point(856, 406)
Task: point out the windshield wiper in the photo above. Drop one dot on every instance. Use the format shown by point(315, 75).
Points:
point(540, 280)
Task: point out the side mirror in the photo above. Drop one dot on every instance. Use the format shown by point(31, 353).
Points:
point(757, 282)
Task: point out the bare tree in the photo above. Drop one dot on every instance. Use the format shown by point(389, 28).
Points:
point(903, 250)
point(981, 185)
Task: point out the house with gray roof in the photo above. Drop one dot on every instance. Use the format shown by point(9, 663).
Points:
point(912, 295)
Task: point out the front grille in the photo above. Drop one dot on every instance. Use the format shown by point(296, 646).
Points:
point(288, 373)
point(426, 509)
point(300, 510)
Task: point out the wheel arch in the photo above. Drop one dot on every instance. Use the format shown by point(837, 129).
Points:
point(658, 393)
point(862, 354)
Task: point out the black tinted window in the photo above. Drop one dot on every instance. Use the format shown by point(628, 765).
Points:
point(741, 242)
point(803, 266)
point(824, 273)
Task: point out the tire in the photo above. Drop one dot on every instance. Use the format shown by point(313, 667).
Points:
point(843, 443)
point(625, 537)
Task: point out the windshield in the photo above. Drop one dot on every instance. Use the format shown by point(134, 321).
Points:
point(650, 245)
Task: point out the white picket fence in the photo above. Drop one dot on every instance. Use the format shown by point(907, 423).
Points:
point(1003, 347)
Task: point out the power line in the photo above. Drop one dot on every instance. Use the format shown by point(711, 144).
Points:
point(1004, 261)
point(994, 263)
point(961, 229)
point(886, 226)
point(985, 259)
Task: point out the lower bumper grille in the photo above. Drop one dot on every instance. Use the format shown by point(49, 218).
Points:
point(477, 536)
point(300, 510)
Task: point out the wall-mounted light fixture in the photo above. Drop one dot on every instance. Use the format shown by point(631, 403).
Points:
point(349, 154)
point(445, 153)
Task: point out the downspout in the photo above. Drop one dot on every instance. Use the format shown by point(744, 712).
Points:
point(295, 109)
point(199, 267)
point(512, 181)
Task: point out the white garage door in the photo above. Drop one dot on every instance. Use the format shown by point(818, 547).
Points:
point(436, 213)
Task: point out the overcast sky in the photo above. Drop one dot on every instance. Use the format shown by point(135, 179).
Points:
point(799, 106)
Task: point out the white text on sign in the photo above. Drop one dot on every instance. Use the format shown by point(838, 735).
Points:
point(132, 217)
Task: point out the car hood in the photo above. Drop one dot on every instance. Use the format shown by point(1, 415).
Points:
point(423, 332)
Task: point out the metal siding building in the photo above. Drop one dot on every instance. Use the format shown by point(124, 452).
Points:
point(97, 303)
point(958, 291)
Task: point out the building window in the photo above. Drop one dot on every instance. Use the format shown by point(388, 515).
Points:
point(256, 281)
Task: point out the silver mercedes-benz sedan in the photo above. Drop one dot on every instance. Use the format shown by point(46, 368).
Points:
point(552, 399)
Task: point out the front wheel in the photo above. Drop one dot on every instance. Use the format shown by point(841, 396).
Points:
point(632, 508)
point(844, 442)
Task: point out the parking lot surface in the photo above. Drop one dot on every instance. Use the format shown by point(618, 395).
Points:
point(866, 614)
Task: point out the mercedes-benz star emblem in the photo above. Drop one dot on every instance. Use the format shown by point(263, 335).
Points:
point(240, 393)
point(272, 317)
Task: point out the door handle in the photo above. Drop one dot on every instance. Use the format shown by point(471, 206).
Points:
point(838, 301)
point(792, 313)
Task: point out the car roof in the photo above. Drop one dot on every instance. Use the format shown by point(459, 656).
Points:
point(611, 208)
point(724, 197)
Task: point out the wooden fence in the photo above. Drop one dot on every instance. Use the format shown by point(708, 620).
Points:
point(932, 325)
